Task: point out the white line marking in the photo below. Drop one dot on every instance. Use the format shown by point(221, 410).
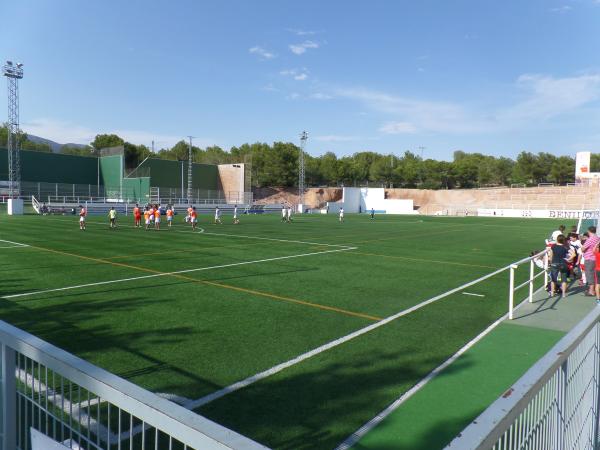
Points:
point(279, 367)
point(474, 295)
point(14, 244)
point(358, 434)
point(163, 274)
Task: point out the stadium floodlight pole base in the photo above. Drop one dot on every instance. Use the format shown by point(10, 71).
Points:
point(300, 208)
point(15, 207)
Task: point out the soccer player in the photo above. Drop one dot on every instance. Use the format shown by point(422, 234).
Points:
point(151, 214)
point(193, 217)
point(82, 214)
point(189, 214)
point(372, 213)
point(289, 213)
point(341, 215)
point(217, 215)
point(283, 213)
point(169, 216)
point(235, 215)
point(137, 216)
point(112, 217)
point(147, 217)
point(157, 217)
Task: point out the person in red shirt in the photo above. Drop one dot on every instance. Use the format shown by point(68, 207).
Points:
point(137, 216)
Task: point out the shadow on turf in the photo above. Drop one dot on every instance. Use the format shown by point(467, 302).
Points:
point(319, 408)
point(13, 286)
point(58, 323)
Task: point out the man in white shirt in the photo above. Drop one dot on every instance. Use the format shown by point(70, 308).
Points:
point(341, 214)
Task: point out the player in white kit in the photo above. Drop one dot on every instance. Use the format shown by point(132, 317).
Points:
point(82, 214)
point(235, 215)
point(341, 214)
point(217, 215)
point(283, 213)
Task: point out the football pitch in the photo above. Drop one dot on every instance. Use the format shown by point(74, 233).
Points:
point(295, 312)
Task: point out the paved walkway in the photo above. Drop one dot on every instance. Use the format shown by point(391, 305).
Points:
point(432, 417)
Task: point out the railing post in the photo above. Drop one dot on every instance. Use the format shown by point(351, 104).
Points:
point(531, 275)
point(561, 402)
point(511, 291)
point(545, 270)
point(8, 399)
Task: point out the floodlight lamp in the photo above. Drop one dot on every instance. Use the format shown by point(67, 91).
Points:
point(9, 62)
point(19, 65)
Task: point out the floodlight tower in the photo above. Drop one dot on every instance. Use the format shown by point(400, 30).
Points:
point(303, 139)
point(13, 73)
point(189, 183)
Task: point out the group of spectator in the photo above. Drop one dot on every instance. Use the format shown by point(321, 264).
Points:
point(574, 256)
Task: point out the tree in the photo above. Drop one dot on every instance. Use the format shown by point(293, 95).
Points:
point(77, 151)
point(105, 141)
point(563, 170)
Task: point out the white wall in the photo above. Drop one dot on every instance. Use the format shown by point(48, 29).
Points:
point(363, 199)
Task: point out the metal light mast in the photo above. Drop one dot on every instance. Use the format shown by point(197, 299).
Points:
point(189, 181)
point(13, 74)
point(303, 138)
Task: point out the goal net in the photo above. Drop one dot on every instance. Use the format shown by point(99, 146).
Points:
point(588, 218)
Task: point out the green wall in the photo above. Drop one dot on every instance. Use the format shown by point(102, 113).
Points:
point(136, 189)
point(167, 174)
point(53, 168)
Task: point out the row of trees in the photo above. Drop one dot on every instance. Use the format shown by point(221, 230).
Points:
point(277, 165)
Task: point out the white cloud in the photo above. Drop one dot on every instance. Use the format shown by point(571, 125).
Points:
point(561, 9)
point(336, 138)
point(302, 32)
point(398, 128)
point(542, 98)
point(67, 132)
point(299, 49)
point(548, 97)
point(262, 53)
point(293, 96)
point(320, 96)
point(296, 74)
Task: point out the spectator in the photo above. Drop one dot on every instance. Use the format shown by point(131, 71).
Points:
point(597, 272)
point(590, 260)
point(558, 266)
point(575, 257)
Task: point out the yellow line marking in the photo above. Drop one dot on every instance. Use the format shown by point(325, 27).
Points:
point(423, 260)
point(224, 286)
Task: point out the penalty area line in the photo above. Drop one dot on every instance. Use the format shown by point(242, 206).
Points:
point(472, 294)
point(164, 274)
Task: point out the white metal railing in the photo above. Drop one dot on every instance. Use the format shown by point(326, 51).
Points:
point(82, 406)
point(35, 204)
point(554, 406)
point(541, 256)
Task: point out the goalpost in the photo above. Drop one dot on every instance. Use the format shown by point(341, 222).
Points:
point(587, 219)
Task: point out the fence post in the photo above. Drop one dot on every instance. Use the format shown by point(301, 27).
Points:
point(39, 190)
point(561, 402)
point(596, 414)
point(8, 399)
point(545, 270)
point(511, 292)
point(56, 188)
point(531, 275)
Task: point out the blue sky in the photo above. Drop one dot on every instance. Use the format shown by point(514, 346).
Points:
point(486, 76)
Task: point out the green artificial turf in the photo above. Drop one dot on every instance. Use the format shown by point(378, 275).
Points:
point(196, 332)
point(466, 389)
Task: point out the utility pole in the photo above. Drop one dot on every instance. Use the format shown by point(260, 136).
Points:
point(301, 177)
point(421, 148)
point(189, 185)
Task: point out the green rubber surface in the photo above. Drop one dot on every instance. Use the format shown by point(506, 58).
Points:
point(441, 409)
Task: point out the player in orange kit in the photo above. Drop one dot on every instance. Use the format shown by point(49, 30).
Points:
point(147, 217)
point(157, 217)
point(170, 213)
